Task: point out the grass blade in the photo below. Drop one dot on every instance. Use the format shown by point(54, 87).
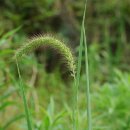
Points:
point(24, 99)
point(88, 84)
point(77, 78)
point(87, 75)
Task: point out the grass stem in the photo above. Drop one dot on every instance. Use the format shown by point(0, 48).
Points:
point(24, 98)
point(88, 85)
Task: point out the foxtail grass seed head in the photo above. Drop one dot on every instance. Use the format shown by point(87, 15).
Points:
point(51, 42)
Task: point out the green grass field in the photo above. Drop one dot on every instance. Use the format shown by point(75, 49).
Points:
point(42, 90)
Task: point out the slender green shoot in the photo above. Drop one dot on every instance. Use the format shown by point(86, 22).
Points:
point(88, 84)
point(24, 98)
point(77, 78)
point(87, 75)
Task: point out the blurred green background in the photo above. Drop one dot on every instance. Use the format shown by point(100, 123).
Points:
point(49, 86)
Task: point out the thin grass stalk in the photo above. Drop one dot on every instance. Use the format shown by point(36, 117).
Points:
point(77, 77)
point(22, 91)
point(76, 85)
point(88, 84)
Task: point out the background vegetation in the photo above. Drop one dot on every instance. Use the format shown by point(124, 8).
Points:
point(48, 86)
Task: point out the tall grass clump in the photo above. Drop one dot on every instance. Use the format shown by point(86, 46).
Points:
point(83, 44)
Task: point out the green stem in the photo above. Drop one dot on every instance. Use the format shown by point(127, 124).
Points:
point(24, 98)
point(88, 85)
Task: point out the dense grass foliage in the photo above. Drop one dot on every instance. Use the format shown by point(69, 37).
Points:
point(52, 100)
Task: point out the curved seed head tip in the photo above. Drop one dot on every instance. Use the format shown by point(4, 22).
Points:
point(51, 42)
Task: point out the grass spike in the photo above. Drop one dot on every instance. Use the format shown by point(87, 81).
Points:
point(51, 42)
